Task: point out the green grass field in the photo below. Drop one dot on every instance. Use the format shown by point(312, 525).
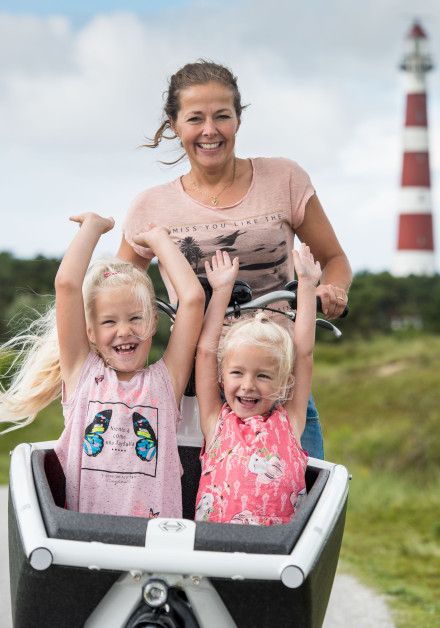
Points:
point(377, 405)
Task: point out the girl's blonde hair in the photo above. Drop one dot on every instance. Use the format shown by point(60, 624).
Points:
point(36, 379)
point(261, 331)
point(115, 273)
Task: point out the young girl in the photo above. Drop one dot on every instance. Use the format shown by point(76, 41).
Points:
point(253, 468)
point(118, 449)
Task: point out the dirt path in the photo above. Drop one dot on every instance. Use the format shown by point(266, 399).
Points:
point(351, 604)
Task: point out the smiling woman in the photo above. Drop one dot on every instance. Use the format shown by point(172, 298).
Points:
point(251, 208)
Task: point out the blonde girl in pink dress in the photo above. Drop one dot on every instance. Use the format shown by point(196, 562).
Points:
point(253, 467)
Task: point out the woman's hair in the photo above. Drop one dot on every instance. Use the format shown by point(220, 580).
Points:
point(35, 368)
point(191, 74)
point(261, 331)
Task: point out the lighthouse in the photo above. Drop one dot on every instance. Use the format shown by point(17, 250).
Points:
point(415, 242)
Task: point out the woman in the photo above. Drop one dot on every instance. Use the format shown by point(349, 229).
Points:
point(252, 208)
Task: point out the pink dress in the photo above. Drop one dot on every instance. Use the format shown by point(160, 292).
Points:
point(252, 472)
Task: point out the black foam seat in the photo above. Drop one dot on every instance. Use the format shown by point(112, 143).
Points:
point(66, 524)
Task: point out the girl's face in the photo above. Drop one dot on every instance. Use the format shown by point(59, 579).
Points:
point(118, 330)
point(250, 380)
point(207, 124)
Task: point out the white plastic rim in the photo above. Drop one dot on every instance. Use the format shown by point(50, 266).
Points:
point(44, 551)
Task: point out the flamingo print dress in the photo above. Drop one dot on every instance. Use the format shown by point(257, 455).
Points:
point(252, 471)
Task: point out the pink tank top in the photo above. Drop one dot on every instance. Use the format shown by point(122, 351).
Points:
point(118, 448)
point(252, 472)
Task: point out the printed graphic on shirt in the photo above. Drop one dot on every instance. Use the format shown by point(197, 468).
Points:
point(121, 439)
point(268, 467)
point(146, 448)
point(204, 507)
point(264, 252)
point(246, 517)
point(93, 441)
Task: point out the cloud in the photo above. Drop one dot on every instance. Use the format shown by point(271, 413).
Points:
point(321, 79)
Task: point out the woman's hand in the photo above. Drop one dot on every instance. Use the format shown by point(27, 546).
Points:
point(102, 224)
point(221, 273)
point(333, 299)
point(305, 266)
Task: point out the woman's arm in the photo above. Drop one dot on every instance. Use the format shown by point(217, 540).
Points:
point(221, 276)
point(71, 322)
point(182, 344)
point(128, 254)
point(308, 272)
point(317, 232)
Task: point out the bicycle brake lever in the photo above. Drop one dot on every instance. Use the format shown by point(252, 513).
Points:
point(321, 322)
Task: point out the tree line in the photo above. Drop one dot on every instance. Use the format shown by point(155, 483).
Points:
point(379, 302)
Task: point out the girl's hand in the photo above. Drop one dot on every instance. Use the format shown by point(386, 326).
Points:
point(306, 268)
point(221, 273)
point(333, 299)
point(103, 224)
point(150, 235)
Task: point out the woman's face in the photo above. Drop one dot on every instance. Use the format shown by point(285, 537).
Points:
point(207, 124)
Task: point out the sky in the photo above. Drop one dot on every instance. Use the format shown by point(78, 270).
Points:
point(81, 87)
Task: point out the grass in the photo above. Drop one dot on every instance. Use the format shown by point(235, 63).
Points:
point(381, 420)
point(391, 542)
point(47, 426)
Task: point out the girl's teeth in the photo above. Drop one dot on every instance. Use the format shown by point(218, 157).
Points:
point(124, 348)
point(248, 400)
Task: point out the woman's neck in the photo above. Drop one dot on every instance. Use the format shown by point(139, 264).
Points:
point(219, 187)
point(213, 177)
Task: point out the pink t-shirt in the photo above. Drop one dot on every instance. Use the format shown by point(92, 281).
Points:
point(118, 449)
point(259, 228)
point(253, 471)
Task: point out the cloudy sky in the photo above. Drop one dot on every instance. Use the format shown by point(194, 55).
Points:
point(81, 86)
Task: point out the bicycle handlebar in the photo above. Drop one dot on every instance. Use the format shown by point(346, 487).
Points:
point(241, 301)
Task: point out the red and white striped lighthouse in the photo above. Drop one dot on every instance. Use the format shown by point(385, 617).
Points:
point(415, 242)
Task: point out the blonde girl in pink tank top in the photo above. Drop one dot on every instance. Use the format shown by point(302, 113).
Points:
point(118, 449)
point(253, 467)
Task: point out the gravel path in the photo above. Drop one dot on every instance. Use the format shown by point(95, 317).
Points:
point(351, 604)
point(5, 603)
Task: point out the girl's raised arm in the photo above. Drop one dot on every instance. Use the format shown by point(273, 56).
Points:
point(308, 272)
point(221, 276)
point(181, 348)
point(71, 323)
